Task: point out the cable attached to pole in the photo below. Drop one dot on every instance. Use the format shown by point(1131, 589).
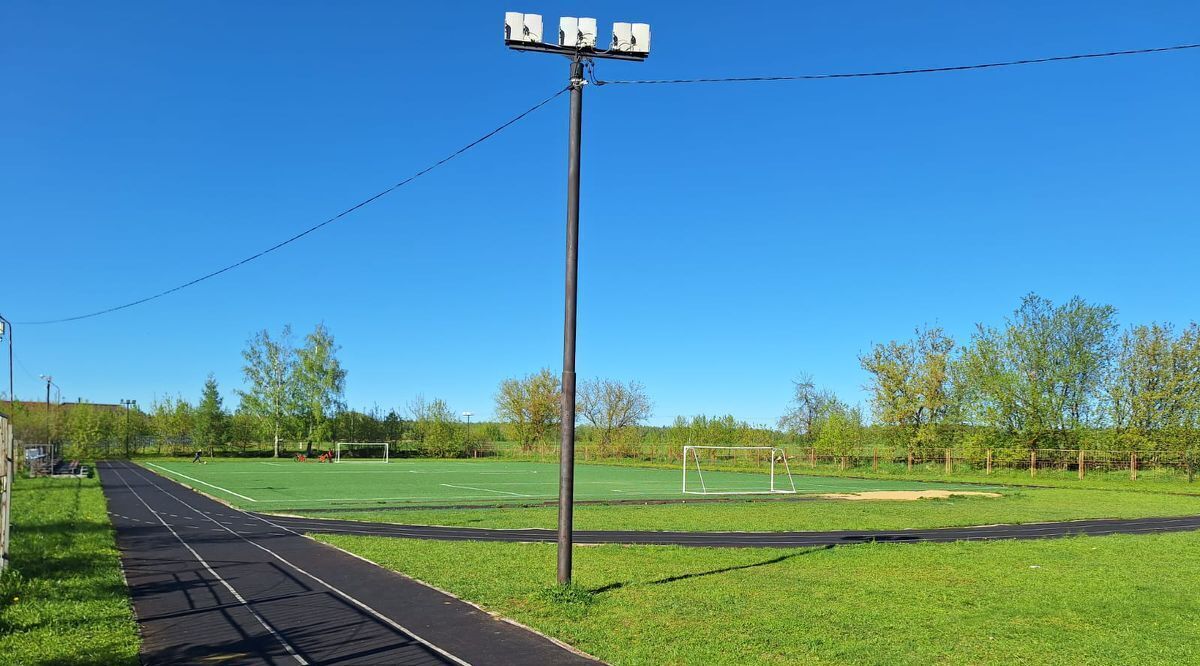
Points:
point(309, 230)
point(902, 72)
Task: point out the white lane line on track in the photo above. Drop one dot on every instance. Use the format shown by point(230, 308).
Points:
point(486, 490)
point(287, 646)
point(189, 478)
point(374, 613)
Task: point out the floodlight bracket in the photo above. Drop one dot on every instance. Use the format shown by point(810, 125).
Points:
point(573, 52)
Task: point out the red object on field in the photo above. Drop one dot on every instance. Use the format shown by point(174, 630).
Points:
point(300, 457)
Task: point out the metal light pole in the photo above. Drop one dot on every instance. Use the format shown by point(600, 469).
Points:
point(8, 469)
point(576, 41)
point(468, 415)
point(128, 404)
point(49, 443)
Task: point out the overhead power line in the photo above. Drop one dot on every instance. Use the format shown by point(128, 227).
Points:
point(901, 72)
point(309, 230)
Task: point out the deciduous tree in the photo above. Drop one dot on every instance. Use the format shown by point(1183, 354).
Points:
point(530, 405)
point(270, 394)
point(611, 406)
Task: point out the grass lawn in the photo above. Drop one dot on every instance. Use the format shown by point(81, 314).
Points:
point(266, 485)
point(63, 600)
point(1094, 600)
point(1015, 506)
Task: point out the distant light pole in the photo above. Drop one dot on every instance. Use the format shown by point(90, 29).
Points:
point(49, 444)
point(8, 469)
point(128, 404)
point(576, 41)
point(468, 415)
point(6, 331)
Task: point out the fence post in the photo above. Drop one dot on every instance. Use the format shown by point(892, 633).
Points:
point(910, 461)
point(1081, 464)
point(948, 463)
point(812, 456)
point(875, 459)
point(989, 462)
point(1133, 465)
point(1033, 462)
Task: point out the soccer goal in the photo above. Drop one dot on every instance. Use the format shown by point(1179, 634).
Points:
point(736, 470)
point(361, 452)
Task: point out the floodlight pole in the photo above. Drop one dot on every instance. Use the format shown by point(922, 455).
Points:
point(626, 46)
point(566, 472)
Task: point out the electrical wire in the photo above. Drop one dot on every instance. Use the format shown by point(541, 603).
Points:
point(900, 72)
point(309, 230)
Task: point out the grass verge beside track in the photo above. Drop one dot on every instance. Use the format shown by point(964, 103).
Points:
point(1098, 600)
point(63, 600)
point(1016, 506)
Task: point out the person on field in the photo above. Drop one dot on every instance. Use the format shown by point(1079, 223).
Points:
point(196, 458)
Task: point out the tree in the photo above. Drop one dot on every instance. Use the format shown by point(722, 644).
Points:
point(171, 421)
point(85, 431)
point(910, 382)
point(530, 405)
point(1040, 377)
point(268, 371)
point(807, 409)
point(210, 421)
point(611, 406)
point(1154, 390)
point(843, 430)
point(320, 383)
point(435, 425)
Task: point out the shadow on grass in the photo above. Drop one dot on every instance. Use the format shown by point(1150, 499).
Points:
point(699, 574)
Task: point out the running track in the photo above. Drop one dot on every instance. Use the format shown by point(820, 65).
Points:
point(755, 539)
point(211, 584)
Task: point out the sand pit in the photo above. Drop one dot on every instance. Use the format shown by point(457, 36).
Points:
point(908, 495)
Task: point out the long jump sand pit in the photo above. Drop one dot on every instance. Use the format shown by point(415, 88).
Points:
point(908, 495)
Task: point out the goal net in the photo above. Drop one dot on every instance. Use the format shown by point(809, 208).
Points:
point(736, 470)
point(361, 452)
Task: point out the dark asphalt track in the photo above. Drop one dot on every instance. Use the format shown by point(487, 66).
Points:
point(211, 584)
point(755, 539)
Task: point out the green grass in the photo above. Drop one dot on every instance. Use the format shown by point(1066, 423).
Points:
point(285, 485)
point(1015, 506)
point(1098, 600)
point(63, 600)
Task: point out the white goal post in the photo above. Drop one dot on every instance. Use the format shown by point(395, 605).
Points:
point(361, 452)
point(733, 482)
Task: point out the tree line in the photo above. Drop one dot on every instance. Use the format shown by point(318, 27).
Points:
point(1051, 376)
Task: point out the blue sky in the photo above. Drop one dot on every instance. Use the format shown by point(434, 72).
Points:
point(733, 236)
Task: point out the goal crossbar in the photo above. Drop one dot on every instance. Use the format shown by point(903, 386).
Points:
point(348, 447)
point(691, 455)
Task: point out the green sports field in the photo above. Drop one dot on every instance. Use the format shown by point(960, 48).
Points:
point(275, 485)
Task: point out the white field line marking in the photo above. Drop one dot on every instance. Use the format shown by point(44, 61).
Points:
point(379, 616)
point(275, 464)
point(287, 646)
point(486, 490)
point(224, 490)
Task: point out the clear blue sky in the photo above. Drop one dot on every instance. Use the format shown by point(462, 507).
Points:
point(733, 236)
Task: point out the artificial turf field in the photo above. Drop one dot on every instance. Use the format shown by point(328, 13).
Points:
point(275, 485)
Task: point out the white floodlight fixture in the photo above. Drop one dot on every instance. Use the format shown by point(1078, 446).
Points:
point(587, 33)
point(640, 42)
point(622, 36)
point(468, 414)
point(514, 27)
point(568, 31)
point(533, 28)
